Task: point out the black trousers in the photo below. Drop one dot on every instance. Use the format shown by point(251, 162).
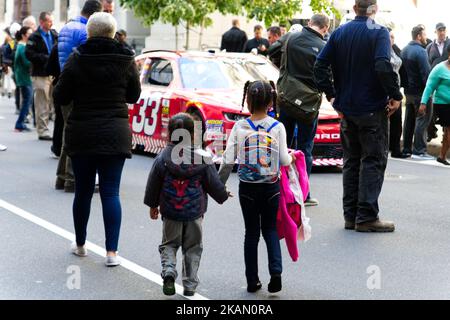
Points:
point(395, 131)
point(365, 144)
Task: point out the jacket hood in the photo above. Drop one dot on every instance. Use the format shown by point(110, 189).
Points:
point(104, 48)
point(197, 161)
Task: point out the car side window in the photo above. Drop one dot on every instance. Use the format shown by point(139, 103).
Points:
point(161, 73)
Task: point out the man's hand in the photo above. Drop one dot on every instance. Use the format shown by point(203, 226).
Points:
point(422, 109)
point(154, 213)
point(393, 107)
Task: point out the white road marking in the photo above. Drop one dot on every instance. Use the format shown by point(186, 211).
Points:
point(127, 264)
point(432, 163)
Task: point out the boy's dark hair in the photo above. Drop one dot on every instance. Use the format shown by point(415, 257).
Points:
point(90, 7)
point(259, 95)
point(181, 121)
point(23, 31)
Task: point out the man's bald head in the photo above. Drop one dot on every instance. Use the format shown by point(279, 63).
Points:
point(365, 7)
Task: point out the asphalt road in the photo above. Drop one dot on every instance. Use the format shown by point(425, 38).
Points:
point(35, 261)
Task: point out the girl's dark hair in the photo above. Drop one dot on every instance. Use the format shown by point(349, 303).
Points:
point(181, 121)
point(448, 49)
point(23, 31)
point(259, 94)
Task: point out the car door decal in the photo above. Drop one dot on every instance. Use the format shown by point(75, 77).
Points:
point(146, 120)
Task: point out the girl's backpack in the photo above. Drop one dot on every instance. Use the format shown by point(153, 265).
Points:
point(258, 156)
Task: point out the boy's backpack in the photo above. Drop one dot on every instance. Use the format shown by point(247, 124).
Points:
point(183, 197)
point(258, 157)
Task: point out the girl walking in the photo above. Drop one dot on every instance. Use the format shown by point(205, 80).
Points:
point(259, 143)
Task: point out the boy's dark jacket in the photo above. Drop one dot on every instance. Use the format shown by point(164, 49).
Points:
point(164, 168)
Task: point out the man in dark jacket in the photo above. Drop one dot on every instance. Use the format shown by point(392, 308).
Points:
point(415, 61)
point(364, 89)
point(302, 51)
point(436, 54)
point(258, 42)
point(38, 50)
point(72, 35)
point(274, 51)
point(234, 39)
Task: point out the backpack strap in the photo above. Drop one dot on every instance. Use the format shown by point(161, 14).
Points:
point(273, 126)
point(250, 122)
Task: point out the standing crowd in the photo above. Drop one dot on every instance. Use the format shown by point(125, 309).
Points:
point(88, 73)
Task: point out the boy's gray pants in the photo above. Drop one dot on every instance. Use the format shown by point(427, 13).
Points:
point(188, 236)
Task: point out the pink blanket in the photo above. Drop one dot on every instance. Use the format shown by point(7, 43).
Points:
point(294, 189)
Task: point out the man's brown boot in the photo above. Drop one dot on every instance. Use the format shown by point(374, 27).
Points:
point(375, 226)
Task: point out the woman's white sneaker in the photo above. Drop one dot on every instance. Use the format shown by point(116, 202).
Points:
point(112, 261)
point(79, 251)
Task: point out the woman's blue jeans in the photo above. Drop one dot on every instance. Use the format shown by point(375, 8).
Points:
point(109, 170)
point(27, 99)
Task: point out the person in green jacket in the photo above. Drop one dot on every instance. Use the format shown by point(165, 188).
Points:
point(439, 85)
point(22, 69)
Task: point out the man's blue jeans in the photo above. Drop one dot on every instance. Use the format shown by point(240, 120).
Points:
point(27, 99)
point(303, 139)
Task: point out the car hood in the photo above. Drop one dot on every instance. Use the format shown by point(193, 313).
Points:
point(225, 98)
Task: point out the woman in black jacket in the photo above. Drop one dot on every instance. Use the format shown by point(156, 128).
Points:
point(100, 78)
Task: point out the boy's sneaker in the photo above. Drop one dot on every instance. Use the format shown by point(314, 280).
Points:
point(275, 283)
point(169, 286)
point(188, 293)
point(79, 251)
point(253, 287)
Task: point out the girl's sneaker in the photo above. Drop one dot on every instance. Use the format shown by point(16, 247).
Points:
point(79, 251)
point(252, 288)
point(275, 283)
point(169, 286)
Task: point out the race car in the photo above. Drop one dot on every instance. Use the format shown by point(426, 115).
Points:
point(209, 86)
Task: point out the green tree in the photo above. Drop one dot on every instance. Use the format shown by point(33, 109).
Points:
point(196, 13)
point(283, 10)
point(190, 13)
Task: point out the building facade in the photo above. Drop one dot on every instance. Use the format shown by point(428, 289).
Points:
point(401, 14)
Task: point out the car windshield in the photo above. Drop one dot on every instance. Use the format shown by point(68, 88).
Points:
point(224, 73)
